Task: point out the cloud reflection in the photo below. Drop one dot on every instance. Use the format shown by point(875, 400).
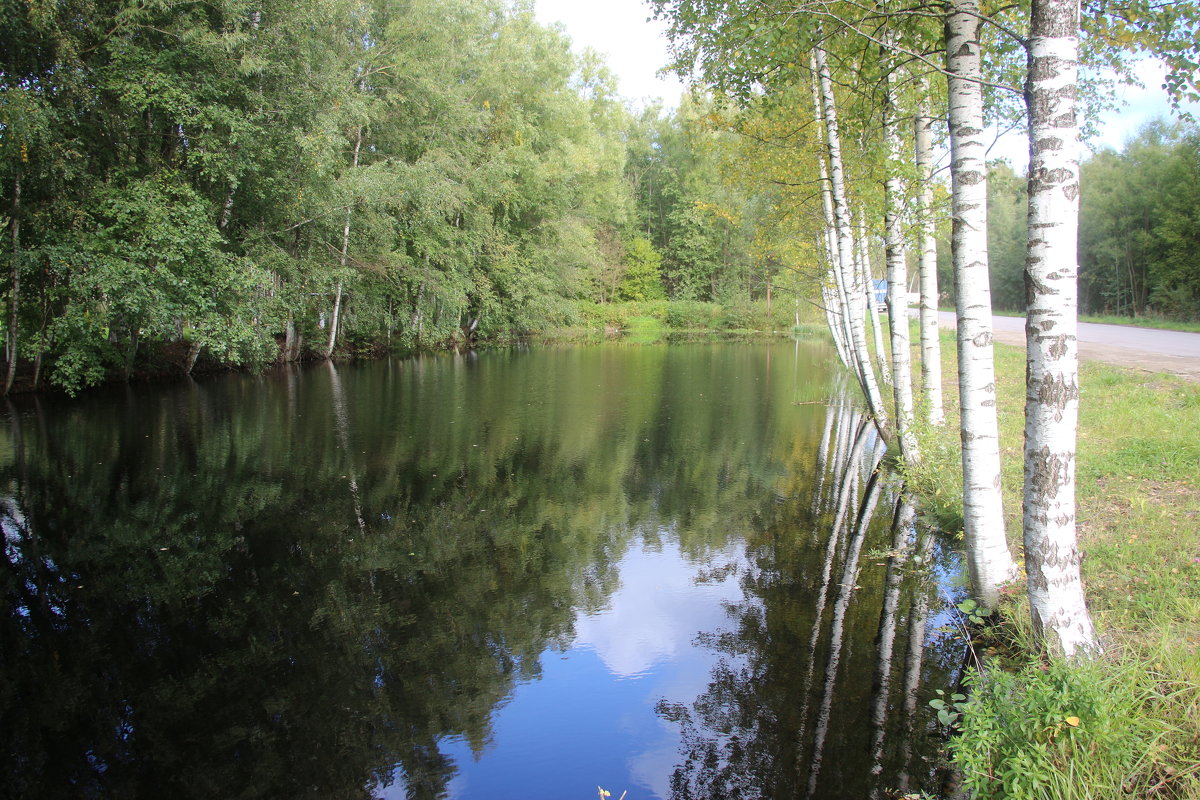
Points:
point(659, 608)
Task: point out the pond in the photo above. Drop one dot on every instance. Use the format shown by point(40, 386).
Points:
point(673, 571)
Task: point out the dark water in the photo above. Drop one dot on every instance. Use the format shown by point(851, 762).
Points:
point(674, 571)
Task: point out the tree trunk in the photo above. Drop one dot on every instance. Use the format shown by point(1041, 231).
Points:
point(833, 317)
point(227, 208)
point(853, 288)
point(193, 353)
point(15, 290)
point(343, 256)
point(289, 338)
point(868, 279)
point(133, 349)
point(897, 271)
point(334, 318)
point(839, 321)
point(990, 563)
point(931, 345)
point(1052, 554)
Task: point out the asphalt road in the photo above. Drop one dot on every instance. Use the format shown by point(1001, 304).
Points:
point(1150, 349)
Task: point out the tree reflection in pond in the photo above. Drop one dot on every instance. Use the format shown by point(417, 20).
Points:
point(311, 584)
point(804, 705)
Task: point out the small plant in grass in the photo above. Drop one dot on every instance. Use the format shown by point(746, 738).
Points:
point(1058, 730)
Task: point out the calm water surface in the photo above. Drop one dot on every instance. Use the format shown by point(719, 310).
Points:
point(673, 571)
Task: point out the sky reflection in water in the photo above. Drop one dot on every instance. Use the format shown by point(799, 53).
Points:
point(517, 574)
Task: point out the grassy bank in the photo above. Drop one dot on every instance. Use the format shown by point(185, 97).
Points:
point(1127, 725)
point(1144, 322)
point(1163, 323)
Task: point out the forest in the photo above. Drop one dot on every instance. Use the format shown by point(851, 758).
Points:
point(1139, 228)
point(246, 182)
point(249, 182)
point(240, 183)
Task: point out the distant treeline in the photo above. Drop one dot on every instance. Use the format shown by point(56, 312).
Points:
point(1139, 228)
point(246, 181)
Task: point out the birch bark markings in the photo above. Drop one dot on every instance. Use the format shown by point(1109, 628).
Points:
point(931, 345)
point(991, 565)
point(343, 255)
point(853, 288)
point(897, 270)
point(1052, 556)
point(868, 278)
point(841, 332)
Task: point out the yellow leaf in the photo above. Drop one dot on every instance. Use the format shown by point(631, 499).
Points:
point(1073, 721)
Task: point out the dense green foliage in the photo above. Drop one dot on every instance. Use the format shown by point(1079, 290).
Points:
point(1139, 228)
point(232, 181)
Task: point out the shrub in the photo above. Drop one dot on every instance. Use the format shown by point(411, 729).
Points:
point(1063, 730)
point(692, 315)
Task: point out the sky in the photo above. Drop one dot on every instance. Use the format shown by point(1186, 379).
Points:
point(635, 48)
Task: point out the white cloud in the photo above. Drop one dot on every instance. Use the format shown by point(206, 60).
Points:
point(633, 46)
point(657, 611)
point(1136, 106)
point(1133, 107)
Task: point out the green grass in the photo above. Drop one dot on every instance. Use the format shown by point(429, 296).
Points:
point(639, 319)
point(1139, 517)
point(1143, 322)
point(1163, 323)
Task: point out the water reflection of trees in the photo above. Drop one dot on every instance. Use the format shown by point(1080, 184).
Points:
point(290, 586)
point(789, 711)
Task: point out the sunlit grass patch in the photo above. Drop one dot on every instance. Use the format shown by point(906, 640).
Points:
point(1138, 516)
point(1142, 322)
point(1105, 728)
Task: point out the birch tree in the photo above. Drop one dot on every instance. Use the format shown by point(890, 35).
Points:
point(845, 236)
point(931, 345)
point(863, 250)
point(839, 321)
point(1052, 555)
point(897, 264)
point(990, 563)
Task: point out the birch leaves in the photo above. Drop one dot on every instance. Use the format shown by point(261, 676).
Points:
point(884, 61)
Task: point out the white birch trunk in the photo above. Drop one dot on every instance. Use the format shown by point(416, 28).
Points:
point(833, 317)
point(842, 332)
point(931, 345)
point(990, 563)
point(1052, 556)
point(343, 256)
point(868, 279)
point(851, 279)
point(897, 272)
